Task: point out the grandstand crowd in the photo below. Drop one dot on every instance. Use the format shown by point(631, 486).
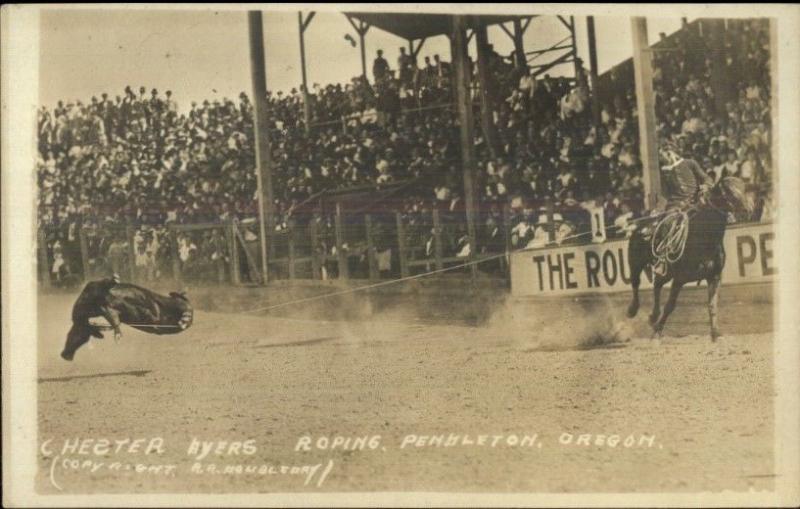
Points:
point(133, 158)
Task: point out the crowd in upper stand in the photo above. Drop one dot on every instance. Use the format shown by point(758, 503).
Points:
point(134, 158)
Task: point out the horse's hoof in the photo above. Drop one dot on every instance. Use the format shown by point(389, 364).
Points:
point(716, 335)
point(632, 310)
point(657, 328)
point(67, 356)
point(653, 319)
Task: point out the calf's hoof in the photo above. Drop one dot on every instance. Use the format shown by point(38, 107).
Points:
point(716, 335)
point(653, 319)
point(67, 356)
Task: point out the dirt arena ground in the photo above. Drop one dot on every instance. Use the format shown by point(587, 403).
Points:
point(551, 395)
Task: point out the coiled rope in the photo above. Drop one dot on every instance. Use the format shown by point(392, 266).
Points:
point(674, 229)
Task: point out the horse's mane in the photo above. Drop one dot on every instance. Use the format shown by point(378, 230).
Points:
point(733, 193)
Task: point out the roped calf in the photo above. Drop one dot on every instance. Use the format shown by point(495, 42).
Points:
point(125, 303)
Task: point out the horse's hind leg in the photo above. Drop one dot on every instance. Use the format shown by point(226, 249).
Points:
point(669, 307)
point(713, 301)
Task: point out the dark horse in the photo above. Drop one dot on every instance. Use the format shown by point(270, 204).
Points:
point(703, 257)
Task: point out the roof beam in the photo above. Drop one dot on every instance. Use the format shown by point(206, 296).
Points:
point(415, 51)
point(526, 24)
point(362, 26)
point(563, 59)
point(506, 30)
point(554, 48)
point(305, 22)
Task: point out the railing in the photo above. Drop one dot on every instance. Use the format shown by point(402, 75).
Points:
point(340, 245)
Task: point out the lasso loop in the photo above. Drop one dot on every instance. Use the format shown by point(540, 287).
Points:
point(669, 236)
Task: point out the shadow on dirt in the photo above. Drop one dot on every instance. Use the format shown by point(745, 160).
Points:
point(138, 373)
point(577, 348)
point(299, 343)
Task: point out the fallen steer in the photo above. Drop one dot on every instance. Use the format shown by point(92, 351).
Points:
point(125, 303)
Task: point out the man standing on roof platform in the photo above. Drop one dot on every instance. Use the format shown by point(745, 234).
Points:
point(380, 67)
point(405, 66)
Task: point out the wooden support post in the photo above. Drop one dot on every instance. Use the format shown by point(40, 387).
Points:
point(401, 246)
point(593, 72)
point(290, 240)
point(217, 237)
point(458, 48)
point(84, 255)
point(306, 107)
point(507, 235)
point(340, 253)
point(575, 62)
point(371, 260)
point(774, 111)
point(719, 79)
point(519, 49)
point(130, 234)
point(44, 263)
point(361, 32)
point(361, 29)
point(645, 106)
point(176, 256)
point(261, 135)
point(233, 252)
point(551, 223)
point(252, 266)
point(437, 239)
point(315, 261)
point(487, 113)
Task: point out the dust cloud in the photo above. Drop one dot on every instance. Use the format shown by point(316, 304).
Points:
point(574, 324)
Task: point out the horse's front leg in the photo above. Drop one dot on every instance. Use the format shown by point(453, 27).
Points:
point(713, 301)
point(637, 260)
point(657, 285)
point(633, 308)
point(669, 307)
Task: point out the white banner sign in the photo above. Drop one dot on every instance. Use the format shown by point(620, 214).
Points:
point(600, 268)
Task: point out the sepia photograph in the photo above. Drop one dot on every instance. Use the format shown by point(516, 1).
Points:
point(400, 255)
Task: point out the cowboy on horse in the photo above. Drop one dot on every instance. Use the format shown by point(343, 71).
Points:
point(684, 243)
point(685, 185)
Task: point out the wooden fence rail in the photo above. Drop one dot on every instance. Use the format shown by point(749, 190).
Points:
point(308, 252)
